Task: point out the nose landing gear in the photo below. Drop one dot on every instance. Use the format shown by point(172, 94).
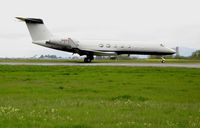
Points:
point(163, 60)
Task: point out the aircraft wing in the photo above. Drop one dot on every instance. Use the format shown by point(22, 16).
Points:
point(100, 53)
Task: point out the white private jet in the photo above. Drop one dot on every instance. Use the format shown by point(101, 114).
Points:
point(42, 36)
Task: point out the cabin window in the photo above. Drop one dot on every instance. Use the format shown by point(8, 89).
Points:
point(161, 45)
point(108, 45)
point(101, 45)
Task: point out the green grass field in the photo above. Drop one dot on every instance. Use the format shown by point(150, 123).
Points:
point(99, 97)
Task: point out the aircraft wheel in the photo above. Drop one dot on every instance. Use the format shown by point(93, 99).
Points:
point(87, 60)
point(163, 61)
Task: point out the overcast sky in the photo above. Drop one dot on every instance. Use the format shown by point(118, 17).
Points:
point(172, 22)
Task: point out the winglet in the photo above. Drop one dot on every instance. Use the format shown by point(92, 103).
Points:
point(31, 20)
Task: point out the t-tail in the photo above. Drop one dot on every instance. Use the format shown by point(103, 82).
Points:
point(37, 29)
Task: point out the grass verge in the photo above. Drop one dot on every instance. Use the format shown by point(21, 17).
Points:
point(96, 97)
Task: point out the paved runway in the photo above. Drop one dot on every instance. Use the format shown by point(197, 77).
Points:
point(186, 65)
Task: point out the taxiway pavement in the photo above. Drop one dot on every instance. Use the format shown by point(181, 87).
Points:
point(186, 65)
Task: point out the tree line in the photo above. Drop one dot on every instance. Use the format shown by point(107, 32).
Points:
point(195, 55)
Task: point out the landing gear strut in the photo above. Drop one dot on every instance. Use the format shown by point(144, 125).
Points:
point(163, 60)
point(88, 59)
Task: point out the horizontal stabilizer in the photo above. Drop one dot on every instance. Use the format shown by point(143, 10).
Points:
point(31, 20)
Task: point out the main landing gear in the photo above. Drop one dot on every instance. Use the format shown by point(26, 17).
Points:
point(88, 59)
point(163, 60)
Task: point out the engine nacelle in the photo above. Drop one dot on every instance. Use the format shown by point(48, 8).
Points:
point(67, 43)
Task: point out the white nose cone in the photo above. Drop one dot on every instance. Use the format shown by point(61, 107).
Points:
point(172, 51)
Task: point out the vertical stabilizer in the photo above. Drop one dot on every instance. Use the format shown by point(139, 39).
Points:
point(37, 29)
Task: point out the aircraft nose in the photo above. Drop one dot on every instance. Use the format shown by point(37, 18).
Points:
point(172, 51)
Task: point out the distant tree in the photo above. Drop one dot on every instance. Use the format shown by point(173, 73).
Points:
point(42, 56)
point(159, 56)
point(196, 54)
point(169, 56)
point(48, 56)
point(154, 57)
point(123, 58)
point(181, 57)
